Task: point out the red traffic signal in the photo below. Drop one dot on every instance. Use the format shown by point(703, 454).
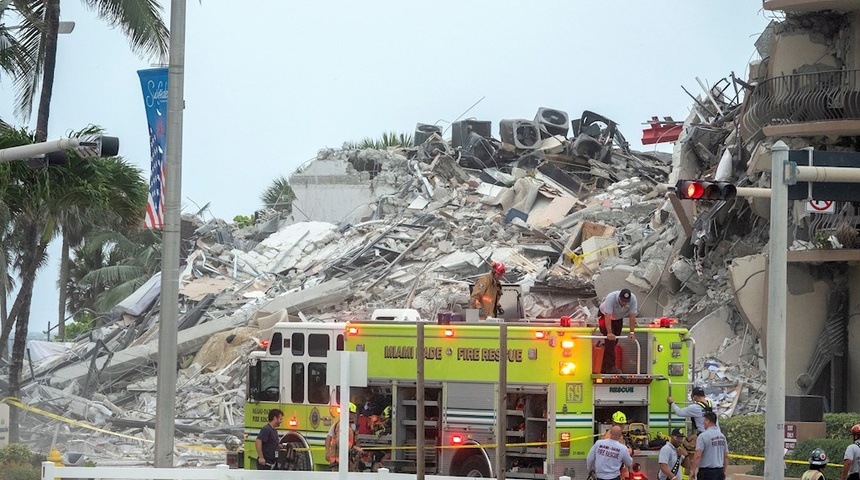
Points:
point(701, 190)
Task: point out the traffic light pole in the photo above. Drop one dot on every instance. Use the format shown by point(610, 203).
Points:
point(795, 173)
point(774, 440)
point(38, 149)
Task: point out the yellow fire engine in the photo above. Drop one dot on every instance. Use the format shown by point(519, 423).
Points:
point(556, 402)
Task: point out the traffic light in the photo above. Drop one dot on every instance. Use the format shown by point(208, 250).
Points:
point(701, 190)
point(88, 146)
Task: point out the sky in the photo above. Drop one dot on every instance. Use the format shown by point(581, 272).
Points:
point(268, 85)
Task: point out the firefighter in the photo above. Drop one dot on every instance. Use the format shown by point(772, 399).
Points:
point(672, 457)
point(332, 451)
point(695, 410)
point(608, 456)
point(488, 291)
point(851, 462)
point(619, 419)
point(613, 309)
point(817, 461)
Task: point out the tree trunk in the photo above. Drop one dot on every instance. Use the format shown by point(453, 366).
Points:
point(21, 319)
point(64, 280)
point(4, 318)
point(16, 364)
point(29, 266)
point(52, 31)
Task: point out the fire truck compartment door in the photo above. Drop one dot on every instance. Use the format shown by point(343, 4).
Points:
point(618, 394)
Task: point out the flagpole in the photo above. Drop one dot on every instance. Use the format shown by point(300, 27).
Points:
point(165, 400)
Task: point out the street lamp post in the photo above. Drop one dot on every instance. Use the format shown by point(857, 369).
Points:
point(165, 399)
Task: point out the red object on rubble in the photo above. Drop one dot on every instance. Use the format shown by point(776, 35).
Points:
point(666, 130)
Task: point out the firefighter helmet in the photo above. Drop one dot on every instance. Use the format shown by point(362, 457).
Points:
point(619, 417)
point(352, 408)
point(499, 268)
point(818, 458)
point(855, 430)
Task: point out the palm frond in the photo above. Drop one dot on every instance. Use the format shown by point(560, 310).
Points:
point(141, 21)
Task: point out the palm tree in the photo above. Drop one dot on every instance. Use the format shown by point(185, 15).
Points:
point(130, 193)
point(140, 20)
point(38, 198)
point(279, 195)
point(15, 60)
point(110, 265)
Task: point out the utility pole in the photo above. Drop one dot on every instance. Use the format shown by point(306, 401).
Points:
point(165, 400)
point(774, 439)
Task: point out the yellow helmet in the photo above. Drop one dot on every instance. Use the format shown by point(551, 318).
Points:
point(352, 408)
point(619, 417)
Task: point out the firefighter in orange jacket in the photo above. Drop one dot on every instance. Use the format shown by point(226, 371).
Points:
point(488, 291)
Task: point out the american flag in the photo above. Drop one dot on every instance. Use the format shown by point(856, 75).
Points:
point(153, 81)
point(155, 204)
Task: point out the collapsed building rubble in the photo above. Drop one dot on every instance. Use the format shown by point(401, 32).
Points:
point(558, 220)
point(567, 205)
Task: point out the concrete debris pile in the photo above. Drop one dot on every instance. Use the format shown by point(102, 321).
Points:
point(571, 210)
point(572, 218)
point(732, 383)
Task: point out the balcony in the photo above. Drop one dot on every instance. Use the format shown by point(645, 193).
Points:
point(811, 5)
point(807, 104)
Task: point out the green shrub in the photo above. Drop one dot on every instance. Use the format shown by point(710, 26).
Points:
point(15, 454)
point(839, 424)
point(745, 435)
point(20, 472)
point(242, 221)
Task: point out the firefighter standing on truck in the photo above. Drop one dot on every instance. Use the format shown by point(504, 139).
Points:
point(488, 291)
point(613, 309)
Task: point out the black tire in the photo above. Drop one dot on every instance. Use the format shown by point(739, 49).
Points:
point(297, 460)
point(474, 467)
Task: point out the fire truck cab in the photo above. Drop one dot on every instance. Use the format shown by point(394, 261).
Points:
point(556, 403)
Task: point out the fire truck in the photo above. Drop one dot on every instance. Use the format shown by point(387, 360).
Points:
point(556, 403)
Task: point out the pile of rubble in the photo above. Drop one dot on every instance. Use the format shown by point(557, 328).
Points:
point(571, 218)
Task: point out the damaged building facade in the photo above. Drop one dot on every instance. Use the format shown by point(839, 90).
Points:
point(562, 200)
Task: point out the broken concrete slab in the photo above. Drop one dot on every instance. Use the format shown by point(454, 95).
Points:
point(711, 331)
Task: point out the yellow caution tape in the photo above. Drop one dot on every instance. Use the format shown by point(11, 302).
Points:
point(447, 447)
point(577, 258)
point(761, 459)
point(18, 404)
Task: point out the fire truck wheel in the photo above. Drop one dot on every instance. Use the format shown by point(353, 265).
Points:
point(296, 460)
point(475, 467)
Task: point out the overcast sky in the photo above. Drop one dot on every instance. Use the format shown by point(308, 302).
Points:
point(270, 82)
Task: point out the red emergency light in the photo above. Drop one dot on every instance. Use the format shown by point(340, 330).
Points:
point(540, 335)
point(449, 333)
point(293, 422)
point(456, 440)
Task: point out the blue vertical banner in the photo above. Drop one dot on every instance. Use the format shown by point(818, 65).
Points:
point(153, 81)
